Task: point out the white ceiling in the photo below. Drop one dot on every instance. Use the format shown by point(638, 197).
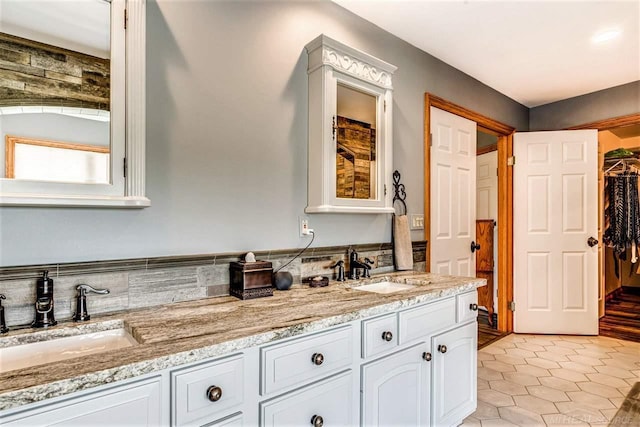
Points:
point(79, 25)
point(533, 51)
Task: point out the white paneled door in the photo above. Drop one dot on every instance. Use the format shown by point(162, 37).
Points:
point(555, 213)
point(453, 194)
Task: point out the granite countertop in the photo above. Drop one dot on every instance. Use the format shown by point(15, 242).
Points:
point(186, 332)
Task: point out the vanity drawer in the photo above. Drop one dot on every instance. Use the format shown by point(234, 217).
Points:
point(195, 396)
point(305, 359)
point(420, 322)
point(467, 306)
point(379, 335)
point(331, 399)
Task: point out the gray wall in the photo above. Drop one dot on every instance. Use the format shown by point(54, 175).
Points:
point(227, 137)
point(604, 104)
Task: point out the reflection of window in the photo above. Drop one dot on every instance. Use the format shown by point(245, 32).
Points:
point(41, 160)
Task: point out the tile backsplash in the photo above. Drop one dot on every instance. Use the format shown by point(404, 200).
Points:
point(146, 282)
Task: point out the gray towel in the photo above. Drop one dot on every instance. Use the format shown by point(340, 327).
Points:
point(402, 251)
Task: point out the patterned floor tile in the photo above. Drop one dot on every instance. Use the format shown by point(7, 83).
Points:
point(532, 370)
point(542, 363)
point(562, 420)
point(485, 411)
point(581, 412)
point(482, 355)
point(520, 416)
point(578, 367)
point(559, 384)
point(520, 378)
point(520, 352)
point(556, 357)
point(568, 374)
point(607, 380)
point(511, 360)
point(547, 393)
point(590, 400)
point(507, 387)
point(585, 360)
point(498, 366)
point(471, 422)
point(562, 350)
point(614, 372)
point(489, 374)
point(535, 405)
point(599, 389)
point(497, 423)
point(567, 344)
point(531, 347)
point(483, 384)
point(494, 397)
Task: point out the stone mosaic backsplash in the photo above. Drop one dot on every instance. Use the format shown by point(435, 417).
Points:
point(146, 282)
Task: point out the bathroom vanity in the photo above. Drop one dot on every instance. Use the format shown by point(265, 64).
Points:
point(335, 355)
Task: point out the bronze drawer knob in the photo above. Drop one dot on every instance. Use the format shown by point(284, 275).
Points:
point(214, 393)
point(387, 336)
point(317, 359)
point(317, 421)
point(442, 348)
point(473, 307)
point(426, 356)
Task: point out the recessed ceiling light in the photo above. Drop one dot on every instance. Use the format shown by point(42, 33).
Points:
point(605, 35)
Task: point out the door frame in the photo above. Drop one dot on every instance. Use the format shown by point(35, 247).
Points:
point(505, 192)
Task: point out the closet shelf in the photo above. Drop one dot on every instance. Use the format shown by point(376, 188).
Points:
point(621, 164)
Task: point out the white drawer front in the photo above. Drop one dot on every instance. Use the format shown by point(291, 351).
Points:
point(292, 363)
point(420, 322)
point(331, 399)
point(379, 335)
point(467, 306)
point(234, 420)
point(190, 390)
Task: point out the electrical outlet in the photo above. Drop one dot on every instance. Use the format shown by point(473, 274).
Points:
point(304, 227)
point(417, 222)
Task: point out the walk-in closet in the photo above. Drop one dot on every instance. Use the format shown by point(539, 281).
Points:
point(619, 157)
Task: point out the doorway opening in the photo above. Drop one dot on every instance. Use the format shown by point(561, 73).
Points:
point(503, 271)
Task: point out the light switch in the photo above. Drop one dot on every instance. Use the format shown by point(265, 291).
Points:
point(417, 222)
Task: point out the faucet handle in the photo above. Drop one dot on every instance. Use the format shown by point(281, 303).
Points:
point(86, 288)
point(2, 297)
point(368, 261)
point(81, 314)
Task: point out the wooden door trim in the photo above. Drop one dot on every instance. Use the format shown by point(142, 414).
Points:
point(505, 193)
point(487, 149)
point(614, 122)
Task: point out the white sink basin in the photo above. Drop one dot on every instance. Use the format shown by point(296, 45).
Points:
point(384, 287)
point(42, 352)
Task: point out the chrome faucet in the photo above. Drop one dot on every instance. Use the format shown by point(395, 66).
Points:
point(3, 323)
point(355, 265)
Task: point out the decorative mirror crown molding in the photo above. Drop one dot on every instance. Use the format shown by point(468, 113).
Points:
point(325, 51)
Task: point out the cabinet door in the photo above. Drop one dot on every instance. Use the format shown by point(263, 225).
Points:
point(454, 375)
point(396, 388)
point(136, 404)
point(329, 402)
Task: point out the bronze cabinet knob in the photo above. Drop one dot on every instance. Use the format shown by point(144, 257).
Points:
point(473, 307)
point(442, 348)
point(317, 359)
point(214, 393)
point(387, 336)
point(317, 421)
point(426, 356)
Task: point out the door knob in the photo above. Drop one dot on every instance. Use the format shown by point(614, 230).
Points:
point(442, 348)
point(592, 242)
point(387, 336)
point(426, 356)
point(317, 421)
point(474, 247)
point(473, 307)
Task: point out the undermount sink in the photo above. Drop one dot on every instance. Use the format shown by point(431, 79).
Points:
point(384, 287)
point(53, 350)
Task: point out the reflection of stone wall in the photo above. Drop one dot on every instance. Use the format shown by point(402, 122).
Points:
point(33, 73)
point(356, 150)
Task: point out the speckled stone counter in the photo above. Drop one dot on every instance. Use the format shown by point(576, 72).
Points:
point(176, 334)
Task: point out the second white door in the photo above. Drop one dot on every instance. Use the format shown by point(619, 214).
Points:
point(453, 194)
point(555, 213)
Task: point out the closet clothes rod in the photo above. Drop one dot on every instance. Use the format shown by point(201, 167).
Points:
point(626, 165)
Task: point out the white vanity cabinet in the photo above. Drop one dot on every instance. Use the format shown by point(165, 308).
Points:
point(396, 389)
point(454, 379)
point(413, 366)
point(138, 403)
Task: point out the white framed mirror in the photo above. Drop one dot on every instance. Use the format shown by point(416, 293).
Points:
point(72, 103)
point(350, 130)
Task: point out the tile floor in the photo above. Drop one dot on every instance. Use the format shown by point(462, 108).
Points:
point(549, 380)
